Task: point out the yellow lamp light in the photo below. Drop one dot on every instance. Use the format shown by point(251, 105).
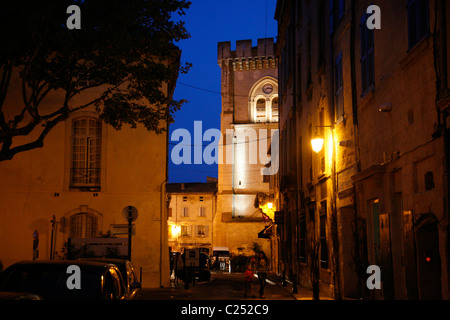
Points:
point(317, 143)
point(176, 230)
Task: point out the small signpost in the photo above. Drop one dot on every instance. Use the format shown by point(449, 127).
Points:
point(131, 214)
point(35, 245)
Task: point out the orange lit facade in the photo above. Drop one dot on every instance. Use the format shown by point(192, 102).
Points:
point(377, 192)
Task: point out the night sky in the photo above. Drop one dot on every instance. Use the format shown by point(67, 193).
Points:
point(209, 22)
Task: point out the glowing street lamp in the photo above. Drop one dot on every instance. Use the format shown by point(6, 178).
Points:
point(176, 230)
point(317, 143)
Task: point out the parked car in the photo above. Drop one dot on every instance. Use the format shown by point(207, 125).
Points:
point(126, 268)
point(6, 295)
point(49, 280)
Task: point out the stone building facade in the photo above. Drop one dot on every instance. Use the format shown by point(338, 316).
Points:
point(191, 213)
point(249, 119)
point(80, 185)
point(377, 191)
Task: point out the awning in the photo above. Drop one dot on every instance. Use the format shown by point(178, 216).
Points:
point(266, 232)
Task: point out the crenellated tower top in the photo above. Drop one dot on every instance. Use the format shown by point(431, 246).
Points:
point(246, 57)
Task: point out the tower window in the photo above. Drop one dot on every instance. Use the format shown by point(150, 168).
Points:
point(261, 110)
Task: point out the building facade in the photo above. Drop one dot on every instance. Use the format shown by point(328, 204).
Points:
point(371, 82)
point(249, 120)
point(191, 213)
point(80, 187)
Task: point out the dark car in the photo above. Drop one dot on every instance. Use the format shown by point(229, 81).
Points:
point(49, 280)
point(5, 295)
point(202, 272)
point(126, 268)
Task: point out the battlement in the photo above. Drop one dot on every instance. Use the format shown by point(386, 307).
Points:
point(246, 57)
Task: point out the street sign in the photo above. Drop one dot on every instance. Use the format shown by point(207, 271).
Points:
point(130, 210)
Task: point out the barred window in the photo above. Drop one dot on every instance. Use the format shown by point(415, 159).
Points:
point(83, 225)
point(86, 152)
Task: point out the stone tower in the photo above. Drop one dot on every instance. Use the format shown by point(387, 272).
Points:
point(249, 118)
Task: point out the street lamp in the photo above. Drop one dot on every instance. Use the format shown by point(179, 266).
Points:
point(317, 143)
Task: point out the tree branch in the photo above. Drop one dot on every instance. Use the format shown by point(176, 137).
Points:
point(7, 154)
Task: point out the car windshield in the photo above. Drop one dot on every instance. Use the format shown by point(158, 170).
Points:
point(51, 284)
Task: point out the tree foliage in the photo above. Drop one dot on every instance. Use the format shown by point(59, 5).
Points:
point(125, 48)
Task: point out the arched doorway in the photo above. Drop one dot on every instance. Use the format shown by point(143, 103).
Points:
point(428, 260)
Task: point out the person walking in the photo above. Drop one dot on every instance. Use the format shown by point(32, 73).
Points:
point(262, 268)
point(249, 280)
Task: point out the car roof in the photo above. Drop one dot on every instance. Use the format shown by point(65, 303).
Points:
point(55, 264)
point(109, 260)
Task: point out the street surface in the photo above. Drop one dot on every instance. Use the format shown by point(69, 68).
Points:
point(222, 286)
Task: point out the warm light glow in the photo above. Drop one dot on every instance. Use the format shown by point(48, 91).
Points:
point(317, 144)
point(268, 209)
point(175, 230)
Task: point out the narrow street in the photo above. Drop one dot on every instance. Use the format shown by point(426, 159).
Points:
point(222, 286)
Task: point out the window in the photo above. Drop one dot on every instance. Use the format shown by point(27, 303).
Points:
point(86, 152)
point(83, 225)
point(85, 78)
point(323, 235)
point(185, 231)
point(185, 212)
point(275, 109)
point(418, 21)
point(200, 198)
point(184, 198)
point(339, 87)
point(367, 57)
point(261, 110)
point(263, 101)
point(202, 212)
point(337, 9)
point(201, 231)
point(429, 181)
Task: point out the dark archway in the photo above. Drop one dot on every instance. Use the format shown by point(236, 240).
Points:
point(428, 260)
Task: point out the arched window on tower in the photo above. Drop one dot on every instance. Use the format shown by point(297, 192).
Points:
point(274, 110)
point(261, 115)
point(263, 101)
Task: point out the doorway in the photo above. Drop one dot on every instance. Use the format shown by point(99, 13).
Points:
point(429, 261)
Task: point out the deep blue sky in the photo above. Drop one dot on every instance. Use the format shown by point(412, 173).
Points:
point(210, 22)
